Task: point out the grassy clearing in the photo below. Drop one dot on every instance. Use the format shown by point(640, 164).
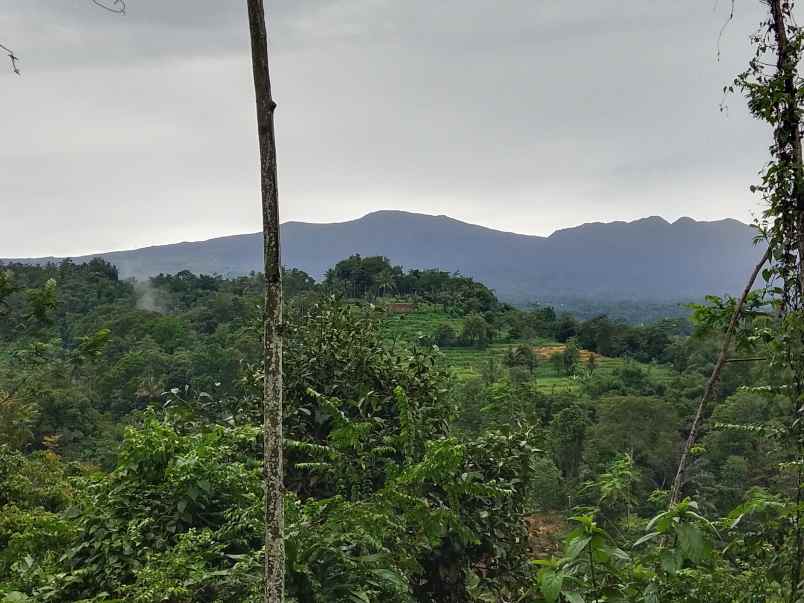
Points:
point(409, 327)
point(469, 363)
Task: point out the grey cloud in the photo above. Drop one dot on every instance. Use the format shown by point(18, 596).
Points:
point(526, 115)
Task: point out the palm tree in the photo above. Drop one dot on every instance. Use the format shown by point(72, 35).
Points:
point(385, 282)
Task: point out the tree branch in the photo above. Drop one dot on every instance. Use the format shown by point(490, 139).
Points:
point(745, 360)
point(723, 29)
point(675, 493)
point(113, 6)
point(116, 6)
point(13, 58)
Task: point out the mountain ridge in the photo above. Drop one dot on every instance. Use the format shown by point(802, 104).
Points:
point(646, 259)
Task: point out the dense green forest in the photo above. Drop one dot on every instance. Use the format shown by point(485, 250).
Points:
point(438, 446)
point(130, 465)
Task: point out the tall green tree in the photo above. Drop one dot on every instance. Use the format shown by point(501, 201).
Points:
point(568, 433)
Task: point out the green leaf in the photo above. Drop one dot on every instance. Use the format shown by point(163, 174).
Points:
point(672, 561)
point(550, 584)
point(472, 581)
point(646, 538)
point(359, 596)
point(577, 546)
point(691, 541)
point(650, 596)
point(618, 553)
point(391, 577)
point(574, 597)
point(661, 522)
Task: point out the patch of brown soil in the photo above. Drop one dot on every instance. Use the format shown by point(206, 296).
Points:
point(544, 534)
point(400, 308)
point(544, 352)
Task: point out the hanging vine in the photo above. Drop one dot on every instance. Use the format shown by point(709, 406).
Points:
point(773, 88)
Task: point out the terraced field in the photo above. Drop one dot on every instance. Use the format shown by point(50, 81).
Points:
point(468, 363)
point(408, 327)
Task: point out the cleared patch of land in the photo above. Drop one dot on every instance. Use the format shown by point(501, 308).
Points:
point(472, 362)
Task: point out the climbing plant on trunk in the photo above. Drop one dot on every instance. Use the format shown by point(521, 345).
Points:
point(774, 94)
point(772, 85)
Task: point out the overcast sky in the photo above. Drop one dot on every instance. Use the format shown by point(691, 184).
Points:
point(523, 115)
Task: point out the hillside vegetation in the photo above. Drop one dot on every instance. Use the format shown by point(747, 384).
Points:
point(438, 440)
point(421, 325)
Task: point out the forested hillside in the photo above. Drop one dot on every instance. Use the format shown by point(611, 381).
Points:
point(438, 442)
point(352, 428)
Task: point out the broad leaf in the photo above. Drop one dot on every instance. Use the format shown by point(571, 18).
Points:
point(577, 546)
point(550, 584)
point(574, 597)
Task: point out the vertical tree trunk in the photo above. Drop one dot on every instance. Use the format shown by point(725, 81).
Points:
point(272, 320)
point(788, 134)
point(788, 139)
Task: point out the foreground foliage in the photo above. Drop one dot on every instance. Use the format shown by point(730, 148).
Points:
point(130, 466)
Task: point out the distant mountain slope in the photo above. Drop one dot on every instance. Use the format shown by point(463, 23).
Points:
point(648, 259)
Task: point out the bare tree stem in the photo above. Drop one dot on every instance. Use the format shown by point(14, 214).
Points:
point(114, 6)
point(678, 482)
point(272, 321)
point(13, 58)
